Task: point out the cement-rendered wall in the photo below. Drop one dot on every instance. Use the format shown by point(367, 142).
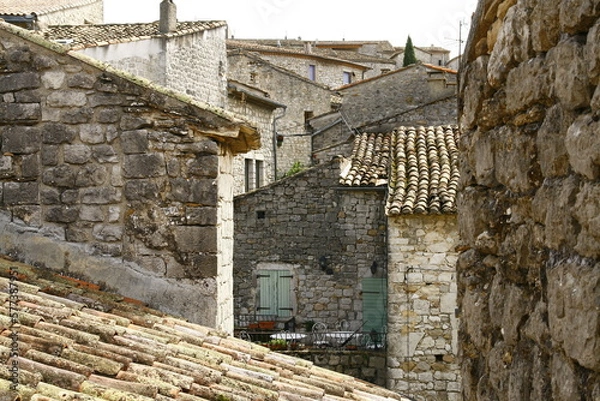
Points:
point(94, 166)
point(529, 279)
point(90, 12)
point(193, 64)
point(423, 360)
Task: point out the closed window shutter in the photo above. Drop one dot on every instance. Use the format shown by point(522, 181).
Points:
point(275, 293)
point(374, 304)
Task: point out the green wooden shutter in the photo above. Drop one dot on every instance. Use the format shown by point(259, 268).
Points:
point(374, 304)
point(275, 293)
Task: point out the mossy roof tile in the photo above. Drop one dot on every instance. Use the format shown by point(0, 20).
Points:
point(73, 352)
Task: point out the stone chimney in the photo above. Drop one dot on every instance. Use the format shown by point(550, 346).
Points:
point(168, 16)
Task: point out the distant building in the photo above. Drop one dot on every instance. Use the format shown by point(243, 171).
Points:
point(38, 14)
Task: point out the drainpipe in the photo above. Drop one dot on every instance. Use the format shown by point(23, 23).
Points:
point(275, 141)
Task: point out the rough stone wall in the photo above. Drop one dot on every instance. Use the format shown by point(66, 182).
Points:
point(307, 217)
point(92, 12)
point(395, 93)
point(194, 64)
point(529, 279)
point(111, 168)
point(329, 73)
point(299, 95)
point(364, 365)
point(262, 119)
point(422, 326)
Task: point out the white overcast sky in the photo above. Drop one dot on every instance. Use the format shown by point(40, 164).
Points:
point(428, 22)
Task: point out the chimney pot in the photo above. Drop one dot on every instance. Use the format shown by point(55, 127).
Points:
point(168, 16)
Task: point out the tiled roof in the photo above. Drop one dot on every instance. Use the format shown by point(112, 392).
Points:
point(80, 36)
point(418, 165)
point(259, 48)
point(75, 342)
point(39, 7)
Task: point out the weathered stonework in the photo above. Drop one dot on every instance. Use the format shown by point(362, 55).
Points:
point(422, 325)
point(96, 162)
point(528, 280)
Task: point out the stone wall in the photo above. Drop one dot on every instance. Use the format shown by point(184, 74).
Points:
point(91, 11)
point(262, 118)
point(399, 92)
point(299, 221)
point(529, 277)
point(119, 170)
point(422, 326)
point(194, 64)
point(365, 365)
point(300, 95)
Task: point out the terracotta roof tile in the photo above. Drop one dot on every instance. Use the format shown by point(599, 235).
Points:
point(418, 165)
point(69, 351)
point(82, 36)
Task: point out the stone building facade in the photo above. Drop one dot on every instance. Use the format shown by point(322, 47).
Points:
point(329, 71)
point(335, 233)
point(110, 179)
point(255, 168)
point(40, 14)
point(529, 275)
point(423, 358)
point(302, 97)
point(324, 236)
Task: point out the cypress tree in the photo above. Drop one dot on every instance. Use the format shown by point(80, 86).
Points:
point(409, 53)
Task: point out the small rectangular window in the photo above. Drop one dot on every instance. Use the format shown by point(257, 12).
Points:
point(249, 174)
point(312, 72)
point(259, 173)
point(347, 78)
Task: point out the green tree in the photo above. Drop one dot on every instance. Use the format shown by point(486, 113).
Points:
point(409, 53)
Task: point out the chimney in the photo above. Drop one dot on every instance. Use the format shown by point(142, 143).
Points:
point(168, 16)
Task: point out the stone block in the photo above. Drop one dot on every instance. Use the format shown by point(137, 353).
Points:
point(62, 214)
point(136, 190)
point(195, 239)
point(66, 98)
point(79, 115)
point(577, 16)
point(56, 134)
point(77, 154)
point(199, 191)
point(81, 80)
point(20, 193)
point(144, 165)
point(100, 195)
point(587, 214)
point(583, 146)
point(203, 166)
point(528, 84)
point(592, 54)
point(105, 154)
point(19, 81)
point(21, 140)
point(30, 167)
point(133, 142)
point(201, 216)
point(108, 233)
point(550, 142)
point(571, 84)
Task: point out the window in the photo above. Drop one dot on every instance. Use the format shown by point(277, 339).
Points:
point(249, 174)
point(374, 292)
point(258, 174)
point(312, 72)
point(347, 78)
point(254, 174)
point(275, 293)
